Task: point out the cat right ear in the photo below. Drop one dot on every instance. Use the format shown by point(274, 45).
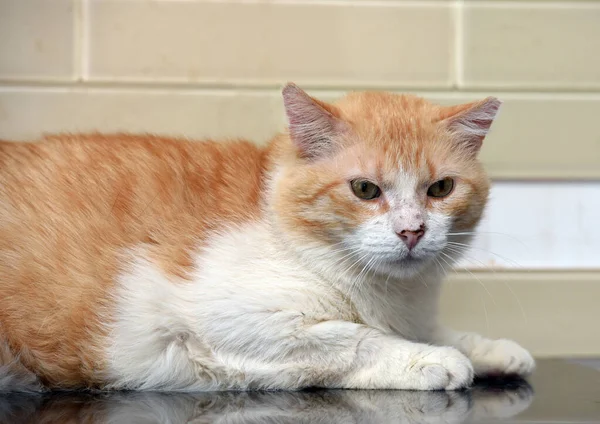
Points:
point(312, 124)
point(471, 122)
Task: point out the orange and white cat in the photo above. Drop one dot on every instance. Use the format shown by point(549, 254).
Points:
point(141, 262)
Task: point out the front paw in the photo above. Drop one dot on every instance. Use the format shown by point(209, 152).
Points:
point(501, 358)
point(439, 368)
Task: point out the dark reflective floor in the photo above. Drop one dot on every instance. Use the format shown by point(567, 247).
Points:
point(558, 392)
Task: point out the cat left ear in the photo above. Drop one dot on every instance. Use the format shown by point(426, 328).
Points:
point(471, 122)
point(313, 125)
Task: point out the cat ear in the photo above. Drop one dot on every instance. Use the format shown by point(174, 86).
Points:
point(312, 124)
point(471, 122)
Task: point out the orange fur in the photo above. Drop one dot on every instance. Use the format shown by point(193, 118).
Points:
point(71, 205)
point(389, 133)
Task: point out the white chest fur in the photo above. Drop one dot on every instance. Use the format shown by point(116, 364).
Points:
point(247, 301)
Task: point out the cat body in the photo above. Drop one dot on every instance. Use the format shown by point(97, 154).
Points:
point(148, 263)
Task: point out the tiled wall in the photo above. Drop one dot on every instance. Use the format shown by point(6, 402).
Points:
point(214, 69)
point(532, 226)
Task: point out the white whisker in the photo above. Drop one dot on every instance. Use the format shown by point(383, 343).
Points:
point(474, 233)
point(473, 275)
point(467, 247)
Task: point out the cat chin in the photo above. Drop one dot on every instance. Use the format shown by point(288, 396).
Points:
point(405, 268)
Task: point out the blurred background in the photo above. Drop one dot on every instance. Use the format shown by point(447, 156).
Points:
point(199, 68)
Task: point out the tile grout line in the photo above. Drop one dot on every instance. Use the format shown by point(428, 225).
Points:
point(458, 44)
point(76, 39)
point(528, 4)
point(85, 40)
point(360, 3)
point(227, 89)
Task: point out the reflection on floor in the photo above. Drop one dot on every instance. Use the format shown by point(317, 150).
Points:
point(593, 363)
point(555, 384)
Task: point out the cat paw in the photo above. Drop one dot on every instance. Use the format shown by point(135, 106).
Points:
point(501, 358)
point(439, 368)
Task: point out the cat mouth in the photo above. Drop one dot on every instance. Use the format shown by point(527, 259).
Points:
point(403, 266)
point(408, 259)
point(411, 258)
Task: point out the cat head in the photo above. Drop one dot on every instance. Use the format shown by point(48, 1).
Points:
point(380, 180)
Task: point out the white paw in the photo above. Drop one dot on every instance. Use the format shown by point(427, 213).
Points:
point(501, 357)
point(439, 368)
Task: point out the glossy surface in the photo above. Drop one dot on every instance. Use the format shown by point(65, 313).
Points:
point(559, 392)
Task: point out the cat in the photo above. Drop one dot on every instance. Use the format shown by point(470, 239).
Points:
point(141, 262)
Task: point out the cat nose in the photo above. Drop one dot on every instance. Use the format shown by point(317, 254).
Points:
point(411, 237)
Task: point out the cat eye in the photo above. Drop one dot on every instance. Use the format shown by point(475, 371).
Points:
point(441, 188)
point(365, 190)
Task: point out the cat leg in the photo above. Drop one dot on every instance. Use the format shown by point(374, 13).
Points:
point(489, 357)
point(340, 354)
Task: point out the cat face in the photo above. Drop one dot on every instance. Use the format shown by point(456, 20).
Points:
point(380, 181)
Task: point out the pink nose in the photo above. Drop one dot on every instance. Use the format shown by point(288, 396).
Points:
point(411, 238)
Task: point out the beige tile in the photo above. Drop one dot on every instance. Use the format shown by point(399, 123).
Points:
point(541, 136)
point(533, 45)
point(28, 112)
point(538, 136)
point(552, 314)
point(36, 39)
point(266, 44)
